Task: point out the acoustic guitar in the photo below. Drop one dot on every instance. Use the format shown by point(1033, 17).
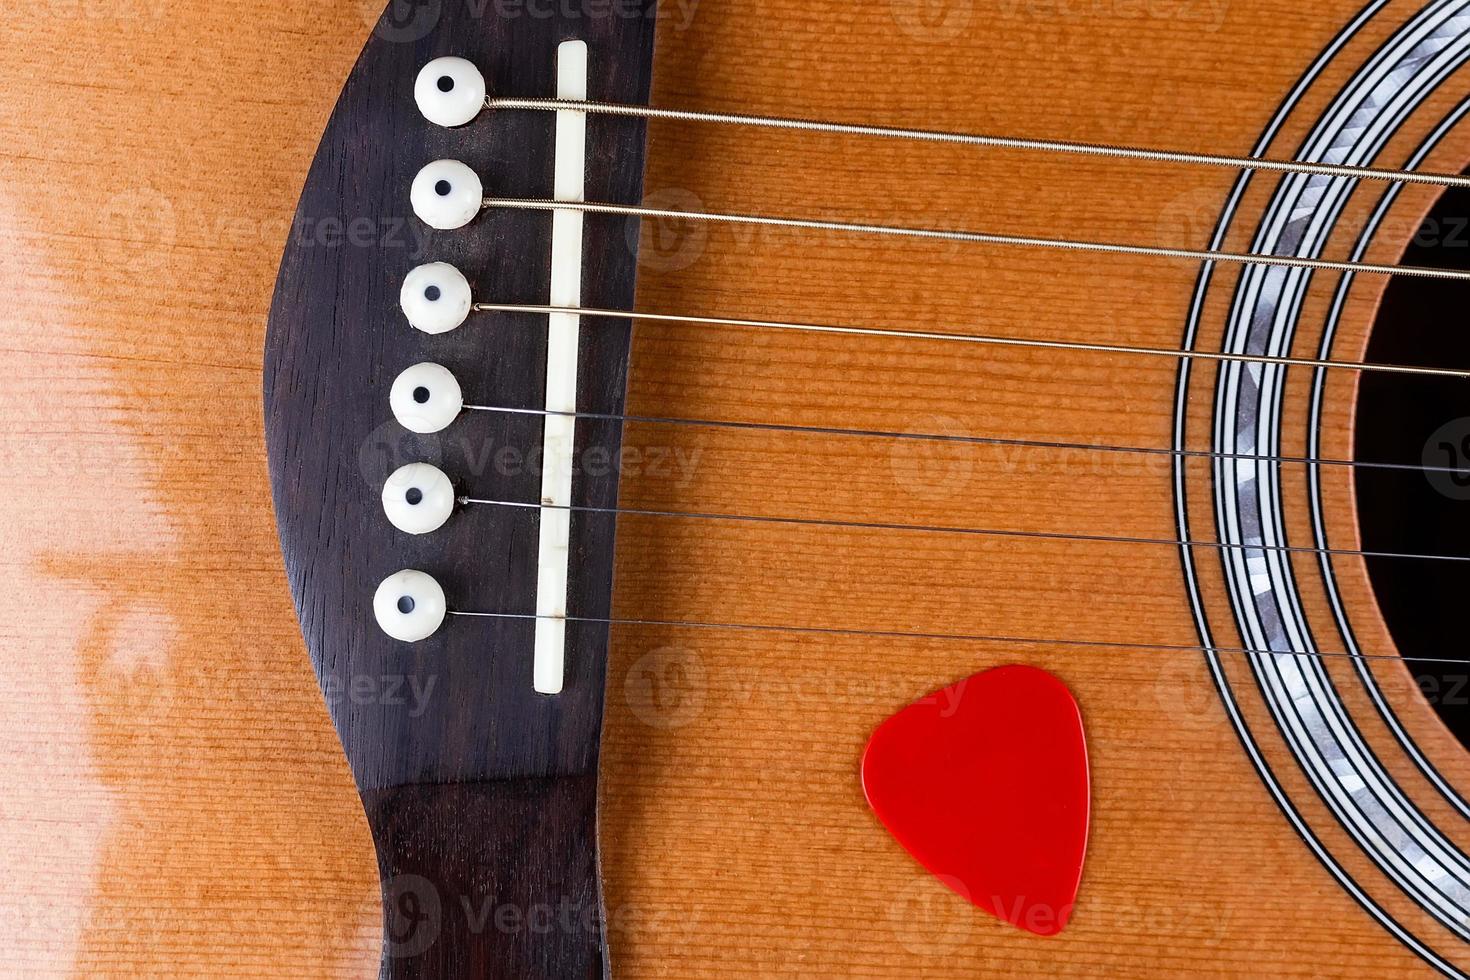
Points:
point(514, 488)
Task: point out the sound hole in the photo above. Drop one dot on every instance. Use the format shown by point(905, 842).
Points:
point(1422, 422)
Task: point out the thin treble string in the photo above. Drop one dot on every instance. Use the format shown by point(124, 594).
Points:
point(1248, 163)
point(988, 141)
point(961, 338)
point(826, 522)
point(979, 237)
point(960, 637)
point(965, 439)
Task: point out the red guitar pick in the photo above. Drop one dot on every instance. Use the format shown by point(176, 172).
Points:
point(986, 784)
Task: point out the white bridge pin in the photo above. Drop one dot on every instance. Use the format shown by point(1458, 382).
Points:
point(450, 91)
point(418, 498)
point(446, 195)
point(435, 297)
point(409, 606)
point(426, 398)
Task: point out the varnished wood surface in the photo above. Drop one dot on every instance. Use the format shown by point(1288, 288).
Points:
point(176, 802)
point(502, 779)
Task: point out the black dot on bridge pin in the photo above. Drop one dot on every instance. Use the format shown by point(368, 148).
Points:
point(406, 604)
point(446, 84)
point(432, 294)
point(415, 496)
point(421, 395)
point(443, 188)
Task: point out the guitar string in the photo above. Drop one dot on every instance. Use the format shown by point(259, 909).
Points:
point(824, 522)
point(1192, 648)
point(610, 314)
point(978, 237)
point(970, 439)
point(985, 140)
point(978, 339)
point(987, 340)
point(931, 528)
point(1248, 163)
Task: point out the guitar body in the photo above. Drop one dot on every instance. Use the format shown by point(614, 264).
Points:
point(179, 802)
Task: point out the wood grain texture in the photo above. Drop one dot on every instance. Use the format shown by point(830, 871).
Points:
point(483, 792)
point(337, 341)
point(490, 879)
point(178, 803)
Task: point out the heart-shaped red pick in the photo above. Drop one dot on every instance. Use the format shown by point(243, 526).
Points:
point(986, 784)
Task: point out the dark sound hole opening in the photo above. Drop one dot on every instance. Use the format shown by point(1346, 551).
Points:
point(1422, 422)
